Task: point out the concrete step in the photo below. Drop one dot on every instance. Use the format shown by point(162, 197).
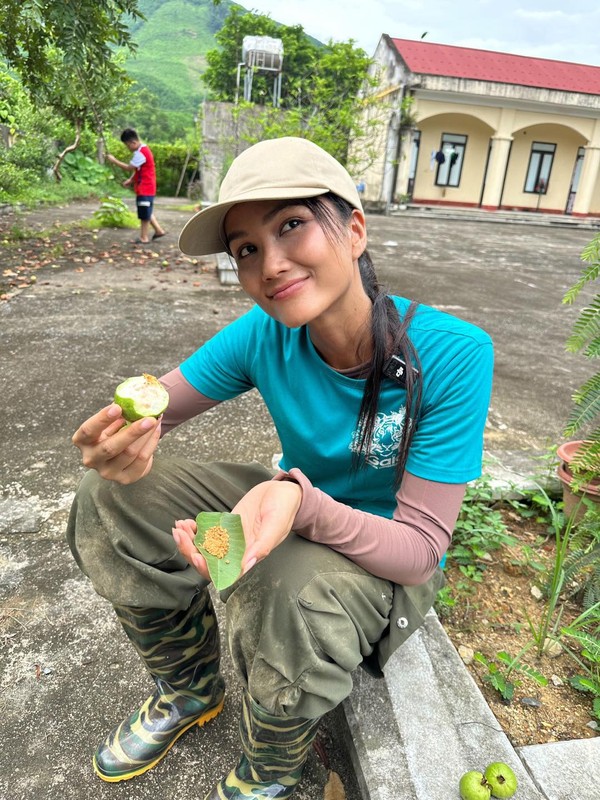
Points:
point(514, 217)
point(415, 732)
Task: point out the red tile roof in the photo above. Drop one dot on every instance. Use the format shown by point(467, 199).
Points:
point(427, 58)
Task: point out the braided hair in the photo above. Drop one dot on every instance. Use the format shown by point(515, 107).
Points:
point(389, 336)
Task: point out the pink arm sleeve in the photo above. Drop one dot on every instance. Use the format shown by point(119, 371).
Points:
point(405, 549)
point(185, 402)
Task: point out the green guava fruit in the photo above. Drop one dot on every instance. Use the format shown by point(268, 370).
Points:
point(141, 396)
point(501, 779)
point(473, 786)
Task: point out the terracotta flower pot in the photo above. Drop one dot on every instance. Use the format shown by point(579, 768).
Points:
point(571, 499)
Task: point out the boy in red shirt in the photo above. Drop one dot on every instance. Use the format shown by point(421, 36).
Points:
point(144, 183)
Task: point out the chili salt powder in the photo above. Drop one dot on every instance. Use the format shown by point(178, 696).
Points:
point(216, 541)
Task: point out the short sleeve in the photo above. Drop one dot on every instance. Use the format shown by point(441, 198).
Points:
point(222, 367)
point(138, 159)
point(448, 441)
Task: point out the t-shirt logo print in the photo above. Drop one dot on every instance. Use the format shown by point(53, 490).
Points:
point(386, 439)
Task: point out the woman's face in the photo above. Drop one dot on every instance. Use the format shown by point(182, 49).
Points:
point(294, 270)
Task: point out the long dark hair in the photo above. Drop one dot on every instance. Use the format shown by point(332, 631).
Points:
point(389, 334)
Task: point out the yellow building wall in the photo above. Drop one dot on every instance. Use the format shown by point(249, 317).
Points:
point(469, 189)
point(555, 199)
point(479, 124)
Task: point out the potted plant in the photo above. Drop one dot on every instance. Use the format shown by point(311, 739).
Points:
point(403, 200)
point(579, 468)
point(575, 484)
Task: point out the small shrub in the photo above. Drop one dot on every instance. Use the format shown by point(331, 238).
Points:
point(13, 181)
point(480, 527)
point(33, 153)
point(113, 213)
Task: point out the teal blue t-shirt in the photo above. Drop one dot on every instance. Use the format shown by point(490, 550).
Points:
point(315, 409)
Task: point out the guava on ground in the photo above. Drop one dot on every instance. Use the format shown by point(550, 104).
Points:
point(501, 779)
point(473, 786)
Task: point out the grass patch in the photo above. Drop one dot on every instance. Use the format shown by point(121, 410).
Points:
point(49, 192)
point(131, 221)
point(185, 207)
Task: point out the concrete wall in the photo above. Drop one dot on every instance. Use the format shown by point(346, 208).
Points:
point(227, 130)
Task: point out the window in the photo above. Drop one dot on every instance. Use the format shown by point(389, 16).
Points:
point(450, 166)
point(540, 164)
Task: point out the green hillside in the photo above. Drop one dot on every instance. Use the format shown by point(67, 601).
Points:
point(172, 44)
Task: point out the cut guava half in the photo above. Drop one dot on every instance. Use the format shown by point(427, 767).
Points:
point(141, 396)
point(223, 534)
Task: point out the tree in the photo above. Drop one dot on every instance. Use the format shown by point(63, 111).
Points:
point(84, 32)
point(332, 100)
point(87, 100)
point(320, 83)
point(64, 54)
point(29, 137)
point(151, 119)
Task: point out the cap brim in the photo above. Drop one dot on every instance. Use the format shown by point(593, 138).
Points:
point(203, 233)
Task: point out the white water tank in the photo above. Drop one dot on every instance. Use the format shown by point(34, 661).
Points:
point(262, 52)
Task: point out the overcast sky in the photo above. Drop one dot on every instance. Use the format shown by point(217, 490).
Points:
point(567, 30)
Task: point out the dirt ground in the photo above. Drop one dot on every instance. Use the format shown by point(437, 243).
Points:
point(491, 617)
point(50, 245)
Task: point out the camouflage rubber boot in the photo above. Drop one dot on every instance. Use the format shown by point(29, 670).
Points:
point(275, 750)
point(181, 651)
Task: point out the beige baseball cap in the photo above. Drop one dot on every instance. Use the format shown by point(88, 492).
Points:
point(275, 169)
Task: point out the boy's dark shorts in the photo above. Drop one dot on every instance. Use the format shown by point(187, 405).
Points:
point(145, 206)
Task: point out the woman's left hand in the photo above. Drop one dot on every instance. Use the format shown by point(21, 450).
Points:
point(268, 512)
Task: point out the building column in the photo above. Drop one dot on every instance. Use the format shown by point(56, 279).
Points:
point(590, 172)
point(389, 162)
point(496, 171)
point(406, 154)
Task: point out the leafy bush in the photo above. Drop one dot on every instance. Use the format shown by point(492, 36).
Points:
point(113, 213)
point(170, 160)
point(83, 169)
point(32, 152)
point(13, 181)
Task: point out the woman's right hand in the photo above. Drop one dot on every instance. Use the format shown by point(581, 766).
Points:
point(118, 452)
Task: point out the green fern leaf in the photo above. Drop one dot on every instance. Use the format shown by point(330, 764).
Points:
point(586, 328)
